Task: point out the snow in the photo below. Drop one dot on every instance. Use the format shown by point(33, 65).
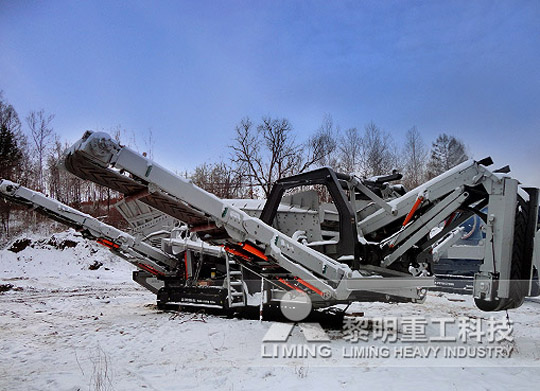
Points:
point(72, 328)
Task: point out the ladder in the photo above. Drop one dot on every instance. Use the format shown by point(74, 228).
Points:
point(236, 296)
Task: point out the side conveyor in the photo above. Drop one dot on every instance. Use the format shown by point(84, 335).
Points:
point(140, 254)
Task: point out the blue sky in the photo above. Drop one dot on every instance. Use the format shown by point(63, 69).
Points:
point(190, 71)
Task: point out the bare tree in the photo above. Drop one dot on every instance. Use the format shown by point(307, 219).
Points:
point(378, 154)
point(446, 152)
point(350, 151)
point(129, 139)
point(246, 152)
point(149, 144)
point(219, 179)
point(322, 148)
point(118, 133)
point(55, 180)
point(269, 152)
point(41, 133)
point(62, 185)
point(415, 155)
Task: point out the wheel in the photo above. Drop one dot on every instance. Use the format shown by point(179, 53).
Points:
point(519, 284)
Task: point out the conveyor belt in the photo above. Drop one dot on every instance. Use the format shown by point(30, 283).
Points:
point(82, 166)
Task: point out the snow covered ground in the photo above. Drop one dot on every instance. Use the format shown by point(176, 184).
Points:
point(66, 327)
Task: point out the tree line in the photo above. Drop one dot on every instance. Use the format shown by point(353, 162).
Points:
point(263, 152)
point(30, 152)
point(260, 153)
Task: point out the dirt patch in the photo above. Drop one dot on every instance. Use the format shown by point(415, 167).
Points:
point(61, 244)
point(19, 245)
point(9, 287)
point(96, 265)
